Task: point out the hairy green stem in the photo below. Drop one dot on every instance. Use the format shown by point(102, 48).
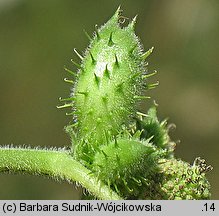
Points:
point(56, 164)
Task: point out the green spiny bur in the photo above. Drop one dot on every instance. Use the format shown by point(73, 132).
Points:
point(111, 78)
point(125, 164)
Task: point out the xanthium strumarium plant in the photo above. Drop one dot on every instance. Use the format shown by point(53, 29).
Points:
point(117, 152)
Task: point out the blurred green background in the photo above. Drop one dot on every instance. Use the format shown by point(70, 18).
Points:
point(37, 38)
